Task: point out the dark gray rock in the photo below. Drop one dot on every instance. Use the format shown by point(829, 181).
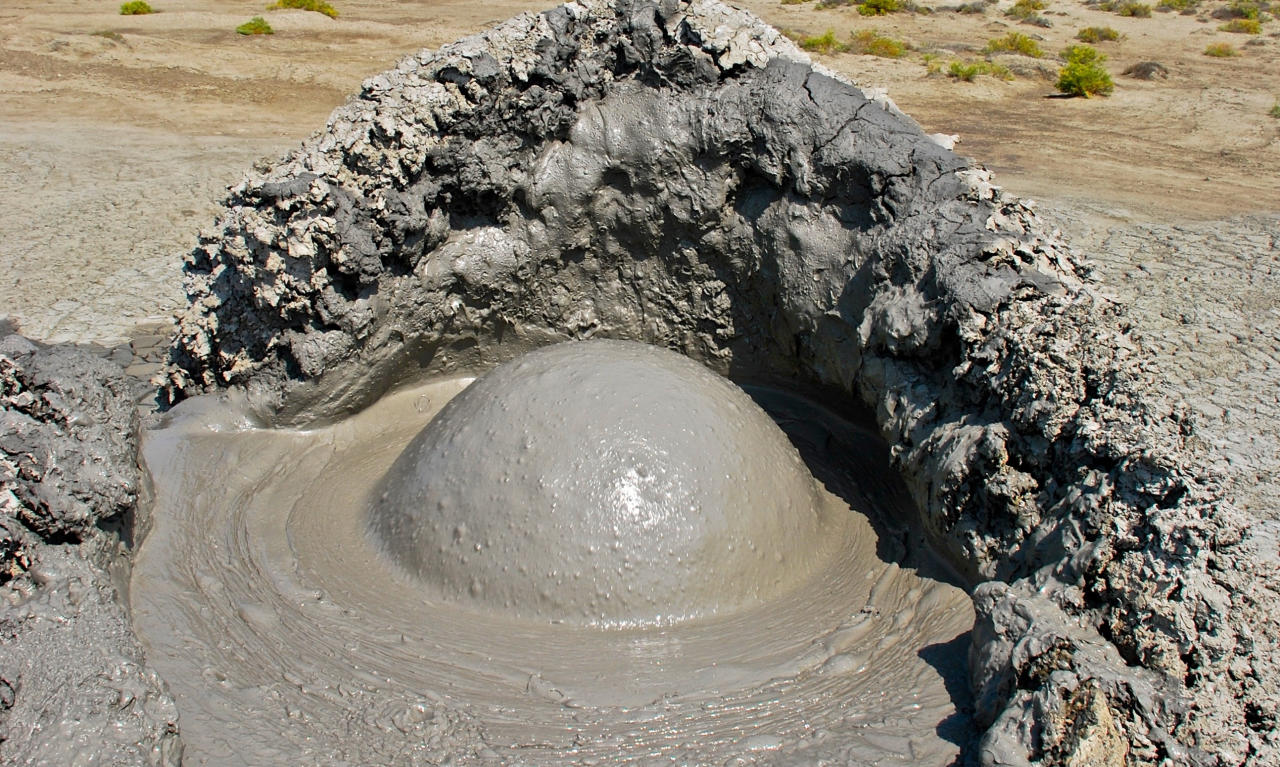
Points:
point(74, 685)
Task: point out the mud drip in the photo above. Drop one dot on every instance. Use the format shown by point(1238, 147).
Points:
point(285, 631)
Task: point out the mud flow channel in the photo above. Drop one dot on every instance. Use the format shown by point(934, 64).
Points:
point(273, 597)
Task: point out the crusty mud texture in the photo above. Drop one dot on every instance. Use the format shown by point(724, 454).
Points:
point(74, 687)
point(678, 173)
point(607, 483)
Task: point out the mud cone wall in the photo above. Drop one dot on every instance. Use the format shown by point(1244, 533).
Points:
point(678, 173)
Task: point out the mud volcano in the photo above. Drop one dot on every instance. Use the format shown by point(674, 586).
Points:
point(1010, 553)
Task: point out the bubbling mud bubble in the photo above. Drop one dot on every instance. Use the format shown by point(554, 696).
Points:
point(606, 482)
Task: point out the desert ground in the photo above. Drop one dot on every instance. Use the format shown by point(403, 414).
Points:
point(119, 133)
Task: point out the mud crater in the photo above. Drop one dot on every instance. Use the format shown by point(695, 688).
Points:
point(732, 620)
point(678, 173)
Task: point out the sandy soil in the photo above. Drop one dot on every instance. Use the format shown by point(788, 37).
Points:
point(118, 134)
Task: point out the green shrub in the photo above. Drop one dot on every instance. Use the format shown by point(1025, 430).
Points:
point(1025, 11)
point(967, 70)
point(1127, 8)
point(1097, 35)
point(1083, 74)
point(136, 8)
point(794, 2)
point(1014, 42)
point(826, 43)
point(319, 6)
point(878, 7)
point(1221, 50)
point(1275, 110)
point(866, 41)
point(1182, 6)
point(1240, 9)
point(1243, 26)
point(963, 70)
point(255, 26)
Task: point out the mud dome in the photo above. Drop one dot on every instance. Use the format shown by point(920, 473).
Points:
point(603, 482)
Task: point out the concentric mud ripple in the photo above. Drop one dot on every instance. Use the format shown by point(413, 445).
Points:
point(284, 633)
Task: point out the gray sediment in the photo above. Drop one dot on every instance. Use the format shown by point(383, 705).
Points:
point(678, 173)
point(75, 687)
point(269, 596)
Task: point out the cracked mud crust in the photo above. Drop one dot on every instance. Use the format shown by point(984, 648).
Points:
point(74, 685)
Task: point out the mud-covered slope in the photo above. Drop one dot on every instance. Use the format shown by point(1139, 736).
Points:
point(74, 685)
point(678, 173)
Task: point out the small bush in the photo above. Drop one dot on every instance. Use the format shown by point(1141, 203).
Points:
point(866, 41)
point(794, 2)
point(1242, 26)
point(1025, 11)
point(319, 6)
point(1127, 8)
point(1221, 50)
point(1275, 111)
point(1240, 9)
point(1025, 8)
point(1097, 35)
point(978, 6)
point(136, 8)
point(878, 7)
point(968, 70)
point(826, 43)
point(963, 70)
point(1182, 6)
point(255, 26)
point(1083, 75)
point(1014, 42)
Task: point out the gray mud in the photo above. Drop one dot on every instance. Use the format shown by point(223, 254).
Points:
point(680, 174)
point(288, 635)
point(74, 686)
point(605, 483)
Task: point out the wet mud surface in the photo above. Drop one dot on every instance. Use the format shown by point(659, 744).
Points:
point(287, 633)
